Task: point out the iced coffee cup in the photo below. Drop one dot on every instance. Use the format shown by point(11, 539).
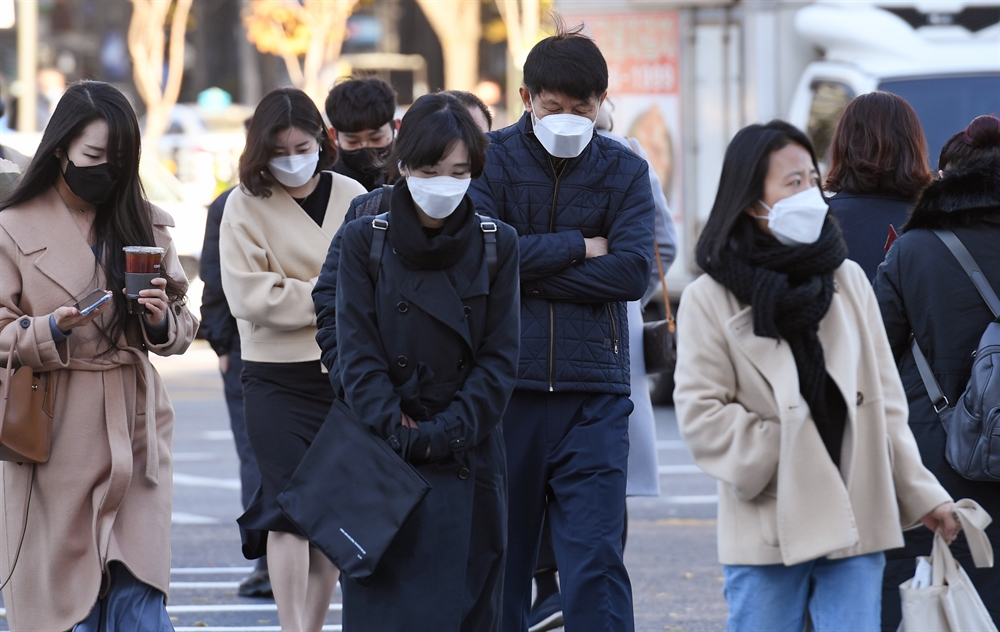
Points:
point(142, 265)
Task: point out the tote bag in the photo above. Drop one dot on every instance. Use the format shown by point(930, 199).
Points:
point(951, 603)
point(351, 493)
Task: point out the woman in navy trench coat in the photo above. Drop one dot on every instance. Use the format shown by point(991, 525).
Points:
point(427, 330)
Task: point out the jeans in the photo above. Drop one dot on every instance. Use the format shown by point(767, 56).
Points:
point(838, 595)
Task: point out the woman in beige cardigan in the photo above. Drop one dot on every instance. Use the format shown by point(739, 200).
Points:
point(96, 548)
point(787, 393)
point(273, 240)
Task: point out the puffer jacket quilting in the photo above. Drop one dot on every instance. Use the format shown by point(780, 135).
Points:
point(604, 192)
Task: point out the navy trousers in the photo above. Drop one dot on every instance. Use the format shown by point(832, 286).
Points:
point(571, 451)
point(249, 472)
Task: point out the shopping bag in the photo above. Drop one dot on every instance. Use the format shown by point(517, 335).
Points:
point(351, 493)
point(951, 603)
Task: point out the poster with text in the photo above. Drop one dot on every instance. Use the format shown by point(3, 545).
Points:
point(642, 51)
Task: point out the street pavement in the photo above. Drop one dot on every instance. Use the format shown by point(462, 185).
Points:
point(670, 555)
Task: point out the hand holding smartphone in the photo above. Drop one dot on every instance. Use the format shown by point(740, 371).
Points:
point(92, 301)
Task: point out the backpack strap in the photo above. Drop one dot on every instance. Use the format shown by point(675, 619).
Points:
point(968, 263)
point(938, 400)
point(381, 224)
point(489, 228)
point(383, 203)
point(971, 268)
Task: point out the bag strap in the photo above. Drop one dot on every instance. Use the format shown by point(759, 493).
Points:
point(383, 202)
point(381, 224)
point(938, 400)
point(971, 268)
point(24, 528)
point(968, 263)
point(663, 285)
point(489, 228)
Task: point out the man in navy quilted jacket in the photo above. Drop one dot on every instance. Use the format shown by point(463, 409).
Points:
point(583, 209)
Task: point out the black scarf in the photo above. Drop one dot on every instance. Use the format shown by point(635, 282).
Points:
point(412, 244)
point(790, 289)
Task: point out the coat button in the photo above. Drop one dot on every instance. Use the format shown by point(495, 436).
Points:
point(534, 292)
point(177, 309)
point(463, 473)
point(402, 361)
point(467, 309)
point(403, 307)
point(861, 398)
point(25, 323)
point(462, 364)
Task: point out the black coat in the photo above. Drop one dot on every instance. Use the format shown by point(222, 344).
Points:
point(217, 322)
point(864, 221)
point(448, 339)
point(921, 288)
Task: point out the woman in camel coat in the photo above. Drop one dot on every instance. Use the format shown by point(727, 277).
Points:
point(97, 534)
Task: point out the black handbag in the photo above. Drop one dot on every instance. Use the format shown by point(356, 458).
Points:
point(351, 493)
point(659, 338)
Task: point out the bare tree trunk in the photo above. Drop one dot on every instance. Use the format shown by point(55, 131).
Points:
point(458, 26)
point(146, 42)
point(523, 20)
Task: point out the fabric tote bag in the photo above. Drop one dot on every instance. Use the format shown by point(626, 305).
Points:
point(951, 603)
point(351, 493)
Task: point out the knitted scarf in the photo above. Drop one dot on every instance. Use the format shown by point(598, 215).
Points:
point(411, 243)
point(790, 289)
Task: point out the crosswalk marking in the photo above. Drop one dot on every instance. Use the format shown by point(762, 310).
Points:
point(679, 469)
point(256, 628)
point(212, 570)
point(670, 444)
point(189, 480)
point(203, 585)
point(690, 500)
point(236, 607)
point(179, 517)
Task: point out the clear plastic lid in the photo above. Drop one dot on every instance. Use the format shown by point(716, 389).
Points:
point(143, 250)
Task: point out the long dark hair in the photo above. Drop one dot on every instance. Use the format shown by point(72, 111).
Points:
point(126, 218)
point(744, 169)
point(279, 110)
point(879, 147)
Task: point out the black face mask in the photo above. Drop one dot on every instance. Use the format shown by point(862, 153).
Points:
point(367, 159)
point(94, 185)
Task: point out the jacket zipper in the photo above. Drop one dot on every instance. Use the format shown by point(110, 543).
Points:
point(552, 308)
point(614, 329)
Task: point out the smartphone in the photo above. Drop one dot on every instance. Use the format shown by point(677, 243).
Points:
point(92, 301)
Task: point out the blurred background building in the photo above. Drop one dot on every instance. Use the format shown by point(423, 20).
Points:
point(685, 75)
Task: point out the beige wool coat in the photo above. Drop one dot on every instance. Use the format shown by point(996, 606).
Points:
point(781, 498)
point(106, 492)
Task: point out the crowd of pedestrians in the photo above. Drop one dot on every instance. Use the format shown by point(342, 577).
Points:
point(472, 300)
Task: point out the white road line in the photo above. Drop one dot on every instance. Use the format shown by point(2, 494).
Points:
point(179, 517)
point(259, 628)
point(190, 480)
point(690, 500)
point(202, 585)
point(670, 444)
point(679, 469)
point(212, 570)
point(217, 435)
point(194, 457)
point(236, 607)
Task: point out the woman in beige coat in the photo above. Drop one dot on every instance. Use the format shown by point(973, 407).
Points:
point(96, 540)
point(787, 393)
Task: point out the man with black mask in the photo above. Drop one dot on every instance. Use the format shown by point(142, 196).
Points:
point(361, 112)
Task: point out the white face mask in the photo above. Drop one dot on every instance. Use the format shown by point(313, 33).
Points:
point(437, 197)
point(294, 171)
point(563, 135)
point(798, 219)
